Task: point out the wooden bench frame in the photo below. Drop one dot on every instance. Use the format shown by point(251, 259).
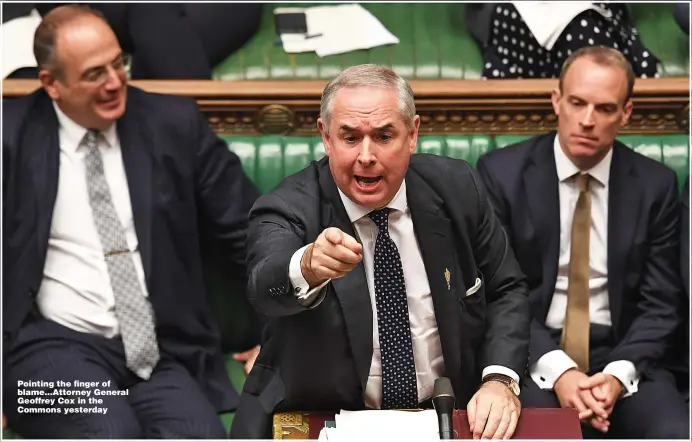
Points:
point(661, 106)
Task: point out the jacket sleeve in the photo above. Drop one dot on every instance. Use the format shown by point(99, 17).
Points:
point(660, 290)
point(508, 315)
point(224, 192)
point(541, 341)
point(276, 232)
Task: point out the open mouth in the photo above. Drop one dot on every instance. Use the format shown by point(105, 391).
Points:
point(368, 182)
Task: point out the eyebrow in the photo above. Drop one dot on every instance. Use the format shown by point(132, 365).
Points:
point(92, 68)
point(385, 127)
point(347, 128)
point(607, 103)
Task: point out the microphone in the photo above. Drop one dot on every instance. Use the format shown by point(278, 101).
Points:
point(443, 401)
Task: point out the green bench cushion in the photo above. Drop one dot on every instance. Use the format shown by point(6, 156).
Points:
point(268, 159)
point(434, 44)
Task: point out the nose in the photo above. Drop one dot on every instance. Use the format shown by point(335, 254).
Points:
point(587, 119)
point(114, 79)
point(365, 157)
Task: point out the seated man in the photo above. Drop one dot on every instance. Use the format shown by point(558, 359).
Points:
point(380, 272)
point(109, 193)
point(595, 227)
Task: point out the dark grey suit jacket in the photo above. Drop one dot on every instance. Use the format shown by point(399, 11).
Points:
point(187, 190)
point(319, 359)
point(644, 287)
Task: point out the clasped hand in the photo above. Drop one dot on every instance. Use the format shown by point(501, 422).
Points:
point(592, 396)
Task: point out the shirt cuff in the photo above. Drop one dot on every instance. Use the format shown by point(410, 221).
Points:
point(549, 368)
point(625, 372)
point(306, 296)
point(499, 369)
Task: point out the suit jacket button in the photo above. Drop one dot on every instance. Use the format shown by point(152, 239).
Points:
point(5, 336)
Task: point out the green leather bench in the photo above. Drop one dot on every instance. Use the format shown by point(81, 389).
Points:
point(268, 159)
point(434, 44)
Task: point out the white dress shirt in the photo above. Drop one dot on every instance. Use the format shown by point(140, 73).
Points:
point(427, 351)
point(551, 365)
point(76, 290)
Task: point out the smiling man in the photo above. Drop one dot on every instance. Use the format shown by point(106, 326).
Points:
point(381, 271)
point(109, 193)
point(595, 227)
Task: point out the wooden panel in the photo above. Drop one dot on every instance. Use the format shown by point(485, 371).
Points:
point(445, 106)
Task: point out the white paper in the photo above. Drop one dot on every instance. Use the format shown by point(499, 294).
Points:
point(337, 29)
point(547, 20)
point(17, 38)
point(418, 426)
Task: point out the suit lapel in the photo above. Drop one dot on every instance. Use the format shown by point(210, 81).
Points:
point(624, 197)
point(436, 240)
point(42, 141)
point(541, 186)
point(352, 289)
point(136, 146)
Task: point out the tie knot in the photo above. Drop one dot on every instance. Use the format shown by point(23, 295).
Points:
point(91, 138)
point(380, 218)
point(583, 181)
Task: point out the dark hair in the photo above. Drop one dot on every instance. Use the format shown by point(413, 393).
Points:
point(47, 31)
point(603, 56)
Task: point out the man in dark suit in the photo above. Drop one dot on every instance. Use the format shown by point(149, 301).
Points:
point(595, 227)
point(105, 209)
point(380, 272)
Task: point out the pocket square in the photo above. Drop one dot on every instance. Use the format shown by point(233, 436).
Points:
point(475, 287)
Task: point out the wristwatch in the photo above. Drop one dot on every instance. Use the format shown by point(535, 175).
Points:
point(508, 381)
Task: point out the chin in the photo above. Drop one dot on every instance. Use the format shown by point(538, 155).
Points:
point(113, 114)
point(372, 201)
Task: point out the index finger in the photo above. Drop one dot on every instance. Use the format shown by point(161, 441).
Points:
point(334, 235)
point(482, 414)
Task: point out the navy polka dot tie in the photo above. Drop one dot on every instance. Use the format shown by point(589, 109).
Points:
point(399, 389)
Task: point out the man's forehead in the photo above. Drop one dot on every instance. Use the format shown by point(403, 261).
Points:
point(84, 37)
point(365, 108)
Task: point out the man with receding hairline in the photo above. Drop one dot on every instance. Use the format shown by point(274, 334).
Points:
point(109, 194)
point(381, 271)
point(595, 227)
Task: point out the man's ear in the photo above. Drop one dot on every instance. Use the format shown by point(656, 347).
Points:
point(48, 82)
point(325, 136)
point(627, 113)
point(555, 100)
point(414, 133)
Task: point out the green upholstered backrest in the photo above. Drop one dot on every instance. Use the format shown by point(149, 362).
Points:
point(433, 44)
point(268, 159)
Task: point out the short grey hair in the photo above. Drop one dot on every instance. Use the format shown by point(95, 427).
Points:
point(369, 75)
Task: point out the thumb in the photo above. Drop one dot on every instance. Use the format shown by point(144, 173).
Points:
point(471, 412)
point(334, 235)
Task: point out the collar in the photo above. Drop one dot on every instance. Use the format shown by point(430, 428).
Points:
point(356, 211)
point(566, 168)
point(75, 133)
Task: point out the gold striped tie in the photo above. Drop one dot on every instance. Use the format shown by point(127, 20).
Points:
point(575, 332)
